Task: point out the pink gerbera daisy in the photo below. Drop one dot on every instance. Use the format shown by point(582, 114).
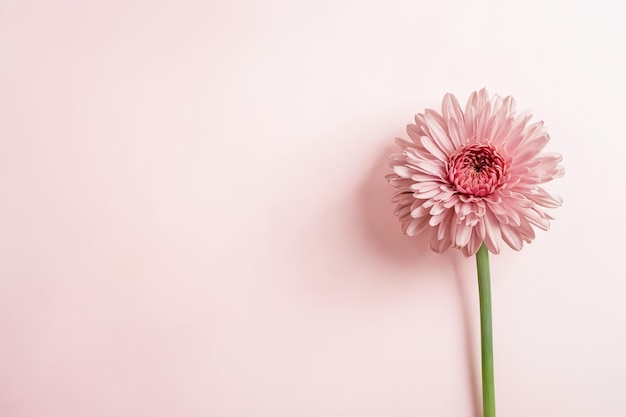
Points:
point(474, 177)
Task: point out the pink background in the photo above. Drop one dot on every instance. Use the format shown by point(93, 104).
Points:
point(194, 219)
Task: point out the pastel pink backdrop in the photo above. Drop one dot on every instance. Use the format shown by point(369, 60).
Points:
point(194, 219)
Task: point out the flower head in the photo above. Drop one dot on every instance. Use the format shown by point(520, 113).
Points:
point(472, 177)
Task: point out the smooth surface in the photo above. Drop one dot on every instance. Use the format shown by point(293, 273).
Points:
point(194, 219)
point(486, 332)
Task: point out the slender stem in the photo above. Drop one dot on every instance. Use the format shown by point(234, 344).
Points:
point(486, 338)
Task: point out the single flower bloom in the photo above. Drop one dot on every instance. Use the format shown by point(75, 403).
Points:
point(474, 176)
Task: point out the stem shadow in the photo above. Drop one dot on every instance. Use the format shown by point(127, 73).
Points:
point(473, 374)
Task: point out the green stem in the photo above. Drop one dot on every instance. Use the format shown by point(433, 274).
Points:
point(486, 338)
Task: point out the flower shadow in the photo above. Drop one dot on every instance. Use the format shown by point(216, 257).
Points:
point(380, 227)
point(382, 232)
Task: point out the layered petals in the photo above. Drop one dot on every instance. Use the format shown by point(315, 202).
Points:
point(473, 176)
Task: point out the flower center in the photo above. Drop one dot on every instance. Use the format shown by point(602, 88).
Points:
point(477, 170)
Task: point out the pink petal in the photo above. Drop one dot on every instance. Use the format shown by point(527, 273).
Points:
point(463, 234)
point(431, 145)
point(453, 116)
point(416, 226)
point(439, 133)
point(493, 236)
point(511, 238)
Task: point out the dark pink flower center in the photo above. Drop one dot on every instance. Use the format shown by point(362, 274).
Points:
point(477, 170)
